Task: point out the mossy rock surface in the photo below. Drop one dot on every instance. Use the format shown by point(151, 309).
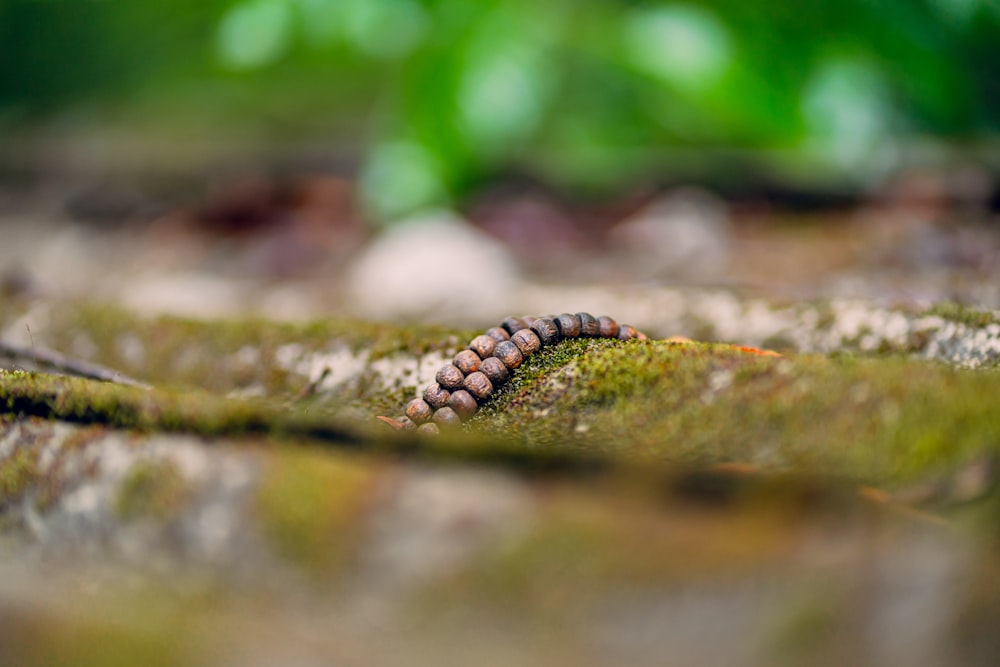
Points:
point(606, 494)
point(876, 418)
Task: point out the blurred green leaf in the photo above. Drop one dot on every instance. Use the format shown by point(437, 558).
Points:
point(685, 45)
point(439, 95)
point(401, 177)
point(254, 33)
point(847, 108)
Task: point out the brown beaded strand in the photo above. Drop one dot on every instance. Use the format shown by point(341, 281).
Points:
point(487, 363)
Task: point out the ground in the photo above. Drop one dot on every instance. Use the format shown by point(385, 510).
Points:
point(615, 503)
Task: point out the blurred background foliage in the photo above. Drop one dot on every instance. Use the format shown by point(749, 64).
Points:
point(430, 99)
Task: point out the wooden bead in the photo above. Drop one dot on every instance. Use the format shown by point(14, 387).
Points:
point(446, 416)
point(463, 403)
point(478, 371)
point(450, 377)
point(569, 325)
point(625, 332)
point(483, 345)
point(608, 327)
point(436, 396)
point(478, 385)
point(467, 361)
point(546, 330)
point(495, 370)
point(509, 354)
point(419, 411)
point(497, 334)
point(513, 324)
point(527, 342)
point(588, 325)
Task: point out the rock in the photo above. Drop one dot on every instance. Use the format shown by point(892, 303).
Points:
point(684, 234)
point(185, 294)
point(434, 265)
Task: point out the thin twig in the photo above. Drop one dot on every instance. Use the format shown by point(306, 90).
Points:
point(61, 363)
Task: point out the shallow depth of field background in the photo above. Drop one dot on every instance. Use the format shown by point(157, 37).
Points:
point(167, 154)
point(429, 102)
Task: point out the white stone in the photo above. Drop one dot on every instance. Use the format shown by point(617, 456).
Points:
point(686, 233)
point(185, 294)
point(434, 266)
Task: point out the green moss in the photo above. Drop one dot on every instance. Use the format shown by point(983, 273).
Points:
point(779, 343)
point(179, 351)
point(90, 639)
point(813, 630)
point(151, 489)
point(89, 402)
point(117, 406)
point(17, 473)
point(872, 419)
point(588, 403)
point(586, 540)
point(971, 317)
point(579, 542)
point(310, 505)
